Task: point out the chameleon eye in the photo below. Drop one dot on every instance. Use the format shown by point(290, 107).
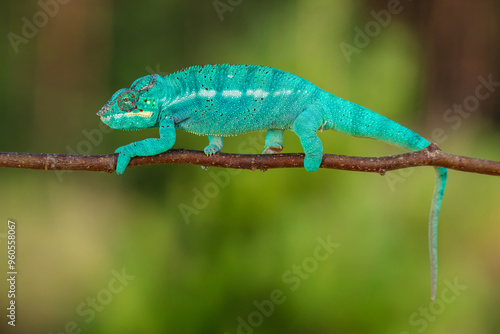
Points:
point(127, 103)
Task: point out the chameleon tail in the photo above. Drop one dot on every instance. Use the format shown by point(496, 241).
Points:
point(441, 176)
point(355, 120)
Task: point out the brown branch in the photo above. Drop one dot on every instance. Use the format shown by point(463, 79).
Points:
point(430, 156)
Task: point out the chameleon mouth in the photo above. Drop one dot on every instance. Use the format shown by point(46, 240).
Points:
point(144, 114)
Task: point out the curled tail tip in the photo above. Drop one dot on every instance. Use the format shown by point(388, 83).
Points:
point(441, 177)
point(433, 283)
point(434, 271)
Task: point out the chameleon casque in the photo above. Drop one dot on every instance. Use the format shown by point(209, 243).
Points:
point(225, 100)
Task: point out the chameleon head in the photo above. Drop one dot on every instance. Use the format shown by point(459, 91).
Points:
point(135, 108)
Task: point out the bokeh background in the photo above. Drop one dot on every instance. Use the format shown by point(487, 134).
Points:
point(224, 251)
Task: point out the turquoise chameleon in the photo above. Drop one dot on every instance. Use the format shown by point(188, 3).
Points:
point(225, 100)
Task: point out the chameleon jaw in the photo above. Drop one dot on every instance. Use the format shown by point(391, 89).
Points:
point(144, 114)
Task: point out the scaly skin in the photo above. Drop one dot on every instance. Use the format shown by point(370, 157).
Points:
point(224, 100)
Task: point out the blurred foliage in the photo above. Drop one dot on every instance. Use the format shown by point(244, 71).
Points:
point(206, 248)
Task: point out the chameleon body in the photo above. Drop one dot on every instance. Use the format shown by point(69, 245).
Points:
point(225, 100)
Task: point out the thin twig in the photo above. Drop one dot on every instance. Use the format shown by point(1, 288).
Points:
point(430, 156)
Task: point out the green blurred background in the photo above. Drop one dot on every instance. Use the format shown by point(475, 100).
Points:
point(225, 251)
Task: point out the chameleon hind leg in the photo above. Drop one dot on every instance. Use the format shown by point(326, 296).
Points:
point(274, 141)
point(305, 126)
point(214, 146)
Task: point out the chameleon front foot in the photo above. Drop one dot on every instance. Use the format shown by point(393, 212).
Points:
point(124, 157)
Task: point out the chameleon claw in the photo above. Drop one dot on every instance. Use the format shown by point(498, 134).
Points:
point(210, 152)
